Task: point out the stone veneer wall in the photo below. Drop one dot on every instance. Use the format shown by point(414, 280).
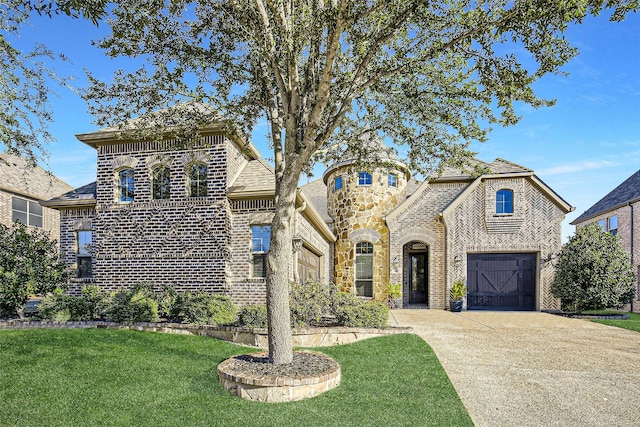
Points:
point(419, 223)
point(358, 216)
point(535, 227)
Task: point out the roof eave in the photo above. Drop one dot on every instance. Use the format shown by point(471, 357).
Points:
point(62, 204)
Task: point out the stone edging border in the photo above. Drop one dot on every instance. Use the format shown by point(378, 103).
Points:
point(256, 337)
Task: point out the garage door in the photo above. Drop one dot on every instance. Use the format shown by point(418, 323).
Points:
point(501, 281)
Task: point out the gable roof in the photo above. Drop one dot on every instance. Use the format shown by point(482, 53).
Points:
point(316, 193)
point(83, 196)
point(257, 178)
point(627, 192)
point(19, 177)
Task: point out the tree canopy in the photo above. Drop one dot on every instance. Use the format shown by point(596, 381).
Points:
point(25, 85)
point(427, 76)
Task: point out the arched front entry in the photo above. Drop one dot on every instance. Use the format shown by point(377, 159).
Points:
point(416, 273)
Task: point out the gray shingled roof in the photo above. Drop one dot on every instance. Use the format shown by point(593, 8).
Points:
point(624, 193)
point(17, 176)
point(257, 176)
point(497, 167)
point(83, 195)
point(316, 193)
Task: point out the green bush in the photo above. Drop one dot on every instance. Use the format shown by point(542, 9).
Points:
point(29, 265)
point(253, 316)
point(593, 271)
point(209, 309)
point(59, 307)
point(353, 312)
point(128, 306)
point(170, 304)
point(310, 302)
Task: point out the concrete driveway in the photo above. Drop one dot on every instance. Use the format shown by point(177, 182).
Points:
point(534, 369)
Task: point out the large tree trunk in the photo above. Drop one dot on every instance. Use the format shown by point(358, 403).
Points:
point(278, 261)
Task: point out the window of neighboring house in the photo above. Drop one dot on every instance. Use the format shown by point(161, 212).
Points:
point(603, 224)
point(26, 211)
point(197, 180)
point(392, 180)
point(161, 183)
point(83, 257)
point(504, 201)
point(364, 269)
point(260, 241)
point(364, 178)
point(613, 225)
point(126, 185)
point(337, 183)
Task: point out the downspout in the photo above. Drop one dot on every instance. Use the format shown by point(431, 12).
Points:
point(632, 257)
point(299, 209)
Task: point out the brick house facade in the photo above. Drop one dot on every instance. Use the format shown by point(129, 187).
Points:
point(618, 212)
point(198, 219)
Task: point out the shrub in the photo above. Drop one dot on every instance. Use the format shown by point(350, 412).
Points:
point(170, 303)
point(593, 271)
point(355, 313)
point(253, 316)
point(209, 309)
point(29, 265)
point(136, 305)
point(310, 302)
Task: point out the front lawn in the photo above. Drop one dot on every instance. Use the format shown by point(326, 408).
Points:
point(633, 323)
point(94, 377)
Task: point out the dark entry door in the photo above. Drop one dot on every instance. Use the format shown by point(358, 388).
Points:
point(418, 278)
point(501, 282)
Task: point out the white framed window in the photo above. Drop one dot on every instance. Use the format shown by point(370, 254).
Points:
point(364, 178)
point(161, 183)
point(84, 239)
point(26, 211)
point(364, 269)
point(392, 180)
point(126, 185)
point(609, 225)
point(504, 201)
point(260, 243)
point(198, 180)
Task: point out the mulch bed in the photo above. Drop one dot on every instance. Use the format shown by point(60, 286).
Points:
point(304, 364)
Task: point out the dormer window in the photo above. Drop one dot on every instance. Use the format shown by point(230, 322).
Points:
point(364, 178)
point(504, 201)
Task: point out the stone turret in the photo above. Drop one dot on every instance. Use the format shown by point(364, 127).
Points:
point(359, 198)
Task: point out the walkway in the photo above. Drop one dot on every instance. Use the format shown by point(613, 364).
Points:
point(535, 369)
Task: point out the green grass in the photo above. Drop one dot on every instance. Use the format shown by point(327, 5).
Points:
point(633, 323)
point(95, 377)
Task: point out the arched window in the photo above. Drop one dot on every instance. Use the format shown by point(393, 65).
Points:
point(197, 180)
point(364, 269)
point(161, 183)
point(504, 201)
point(126, 185)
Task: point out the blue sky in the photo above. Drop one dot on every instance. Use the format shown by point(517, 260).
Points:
point(583, 147)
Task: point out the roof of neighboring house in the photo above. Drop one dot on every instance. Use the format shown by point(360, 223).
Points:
point(627, 192)
point(83, 196)
point(17, 176)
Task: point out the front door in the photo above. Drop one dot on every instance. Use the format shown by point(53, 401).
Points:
point(418, 278)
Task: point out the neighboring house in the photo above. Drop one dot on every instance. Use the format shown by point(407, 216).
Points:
point(619, 214)
point(199, 219)
point(22, 188)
